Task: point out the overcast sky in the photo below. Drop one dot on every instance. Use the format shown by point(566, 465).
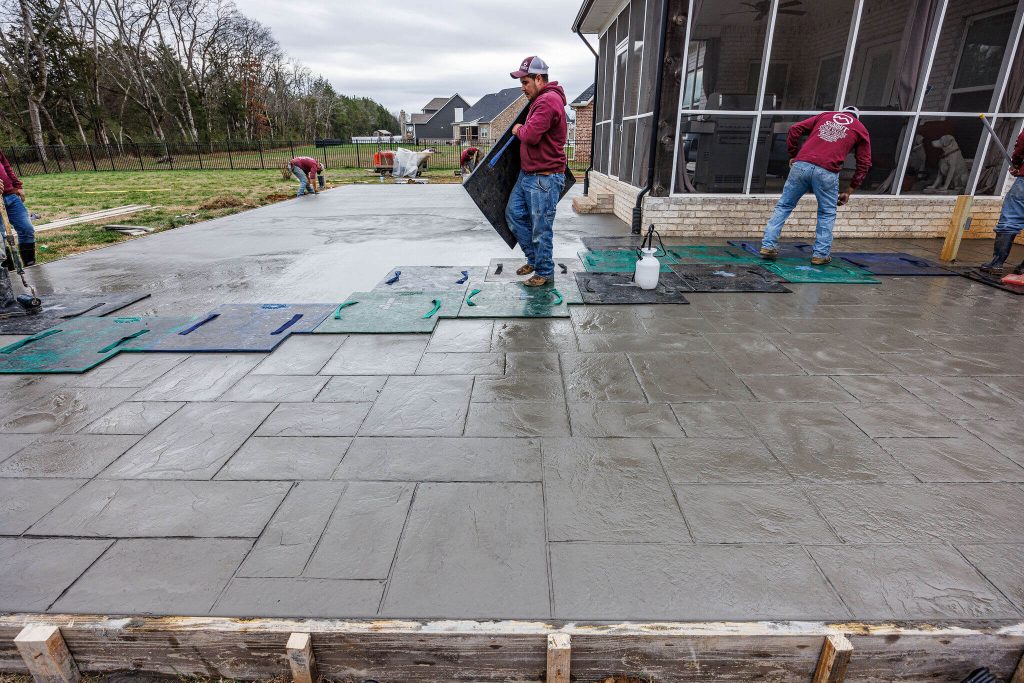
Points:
point(402, 54)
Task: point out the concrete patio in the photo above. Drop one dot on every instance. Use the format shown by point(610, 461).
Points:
point(844, 452)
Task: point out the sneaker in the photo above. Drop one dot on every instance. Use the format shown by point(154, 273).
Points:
point(821, 260)
point(536, 281)
point(770, 254)
point(525, 270)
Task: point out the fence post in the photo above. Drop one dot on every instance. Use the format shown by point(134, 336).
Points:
point(92, 157)
point(109, 157)
point(259, 146)
point(138, 153)
point(14, 155)
point(231, 162)
point(291, 146)
point(199, 151)
point(42, 157)
point(71, 155)
point(359, 161)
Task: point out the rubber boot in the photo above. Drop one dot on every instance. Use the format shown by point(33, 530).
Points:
point(1019, 270)
point(8, 302)
point(28, 254)
point(8, 262)
point(1000, 252)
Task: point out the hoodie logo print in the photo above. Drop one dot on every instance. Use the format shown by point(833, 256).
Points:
point(834, 130)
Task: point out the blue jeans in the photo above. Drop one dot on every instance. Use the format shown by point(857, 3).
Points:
point(1011, 219)
point(803, 178)
point(531, 214)
point(304, 183)
point(17, 214)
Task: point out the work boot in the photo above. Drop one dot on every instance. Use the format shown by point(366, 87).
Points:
point(1000, 252)
point(769, 254)
point(8, 262)
point(1019, 270)
point(821, 260)
point(525, 270)
point(536, 281)
point(28, 253)
point(8, 302)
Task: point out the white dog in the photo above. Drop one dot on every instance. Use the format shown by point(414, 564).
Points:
point(953, 169)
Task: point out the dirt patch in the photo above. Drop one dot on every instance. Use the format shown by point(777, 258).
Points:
point(278, 197)
point(224, 201)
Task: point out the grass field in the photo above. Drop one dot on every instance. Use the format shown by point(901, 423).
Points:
point(178, 198)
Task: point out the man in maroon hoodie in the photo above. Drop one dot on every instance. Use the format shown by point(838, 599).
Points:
point(17, 214)
point(1011, 219)
point(815, 168)
point(531, 207)
point(309, 171)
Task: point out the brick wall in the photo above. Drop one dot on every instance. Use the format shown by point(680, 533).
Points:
point(504, 120)
point(584, 120)
point(745, 216)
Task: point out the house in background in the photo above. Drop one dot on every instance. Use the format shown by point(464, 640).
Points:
point(747, 70)
point(485, 121)
point(434, 123)
point(583, 106)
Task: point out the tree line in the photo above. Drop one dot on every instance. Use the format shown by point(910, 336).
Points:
point(120, 71)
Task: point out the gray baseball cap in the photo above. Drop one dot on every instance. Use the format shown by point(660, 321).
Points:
point(531, 65)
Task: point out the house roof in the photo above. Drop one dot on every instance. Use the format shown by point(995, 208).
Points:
point(420, 118)
point(435, 104)
point(584, 98)
point(432, 107)
point(594, 14)
point(489, 106)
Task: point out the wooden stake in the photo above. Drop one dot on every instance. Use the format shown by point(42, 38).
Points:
point(559, 653)
point(961, 213)
point(300, 656)
point(46, 654)
point(835, 657)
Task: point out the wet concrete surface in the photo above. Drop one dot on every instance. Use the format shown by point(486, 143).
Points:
point(841, 452)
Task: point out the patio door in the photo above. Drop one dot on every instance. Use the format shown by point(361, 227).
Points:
point(618, 88)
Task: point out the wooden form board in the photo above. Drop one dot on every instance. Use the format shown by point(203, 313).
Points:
point(514, 650)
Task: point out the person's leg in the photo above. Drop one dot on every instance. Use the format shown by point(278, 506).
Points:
point(17, 214)
point(517, 215)
point(1010, 224)
point(543, 199)
point(796, 187)
point(825, 184)
point(320, 180)
point(303, 180)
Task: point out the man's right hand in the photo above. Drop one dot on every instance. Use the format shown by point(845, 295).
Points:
point(1015, 171)
point(791, 162)
point(843, 198)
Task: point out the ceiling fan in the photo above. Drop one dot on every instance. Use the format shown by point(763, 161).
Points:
point(761, 8)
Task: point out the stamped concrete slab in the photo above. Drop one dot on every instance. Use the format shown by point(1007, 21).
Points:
point(797, 388)
point(287, 458)
point(742, 322)
point(441, 459)
point(677, 378)
point(202, 377)
point(378, 354)
point(276, 389)
point(875, 389)
point(144, 371)
point(67, 457)
point(64, 411)
point(831, 354)
point(134, 417)
point(193, 444)
point(599, 377)
point(818, 443)
point(461, 336)
point(135, 508)
point(362, 535)
point(752, 354)
point(926, 513)
point(624, 342)
point(301, 354)
point(712, 420)
point(938, 398)
point(156, 576)
point(317, 419)
point(641, 420)
point(420, 406)
point(285, 546)
point(751, 513)
point(901, 420)
point(1000, 563)
point(883, 582)
point(533, 335)
point(35, 571)
point(25, 501)
point(949, 365)
point(518, 419)
point(528, 377)
point(490, 563)
point(1004, 436)
point(462, 363)
point(343, 389)
point(717, 460)
point(299, 598)
point(594, 488)
point(12, 443)
point(966, 458)
point(645, 582)
point(992, 403)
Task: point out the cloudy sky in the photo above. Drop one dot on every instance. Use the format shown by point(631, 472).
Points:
point(402, 54)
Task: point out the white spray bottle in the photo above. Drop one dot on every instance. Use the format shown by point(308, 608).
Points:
point(648, 268)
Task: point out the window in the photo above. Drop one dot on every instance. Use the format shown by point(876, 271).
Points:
point(980, 60)
point(732, 35)
point(693, 80)
point(827, 83)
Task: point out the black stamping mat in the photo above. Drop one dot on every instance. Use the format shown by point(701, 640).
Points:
point(504, 269)
point(60, 307)
point(429, 278)
point(992, 281)
point(893, 263)
point(619, 288)
point(786, 249)
point(491, 183)
point(731, 277)
point(611, 242)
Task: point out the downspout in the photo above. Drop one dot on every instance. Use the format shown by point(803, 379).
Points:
point(593, 114)
point(656, 117)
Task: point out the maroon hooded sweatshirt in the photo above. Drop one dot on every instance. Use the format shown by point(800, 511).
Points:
point(831, 137)
point(307, 164)
point(7, 176)
point(544, 134)
point(1018, 151)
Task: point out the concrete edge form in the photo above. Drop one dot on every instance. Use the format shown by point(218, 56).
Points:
point(518, 650)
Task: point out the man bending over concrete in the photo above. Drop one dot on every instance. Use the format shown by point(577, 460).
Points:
point(816, 169)
point(1011, 219)
point(17, 214)
point(531, 207)
point(309, 171)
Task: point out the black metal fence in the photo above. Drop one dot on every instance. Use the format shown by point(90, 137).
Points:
point(256, 155)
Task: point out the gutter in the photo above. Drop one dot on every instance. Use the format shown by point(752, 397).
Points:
point(593, 115)
point(638, 208)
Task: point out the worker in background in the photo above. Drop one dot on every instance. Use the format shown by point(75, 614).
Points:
point(468, 160)
point(310, 173)
point(815, 168)
point(17, 214)
point(531, 207)
point(1011, 219)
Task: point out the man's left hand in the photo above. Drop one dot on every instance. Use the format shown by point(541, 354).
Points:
point(1015, 171)
point(21, 193)
point(515, 128)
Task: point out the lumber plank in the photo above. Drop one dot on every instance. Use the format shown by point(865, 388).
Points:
point(834, 659)
point(45, 654)
point(1018, 675)
point(559, 652)
point(955, 231)
point(300, 657)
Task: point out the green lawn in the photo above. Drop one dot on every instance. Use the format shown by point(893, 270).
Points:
point(178, 198)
